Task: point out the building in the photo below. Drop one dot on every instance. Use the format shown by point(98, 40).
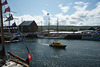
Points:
point(98, 29)
point(10, 29)
point(28, 27)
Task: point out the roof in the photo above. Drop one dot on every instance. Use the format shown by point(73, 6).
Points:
point(91, 28)
point(24, 23)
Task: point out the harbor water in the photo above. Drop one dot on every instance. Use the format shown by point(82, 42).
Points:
point(78, 53)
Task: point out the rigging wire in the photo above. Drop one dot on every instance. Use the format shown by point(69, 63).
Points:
point(15, 8)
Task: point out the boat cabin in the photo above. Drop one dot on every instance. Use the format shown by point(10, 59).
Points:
point(57, 43)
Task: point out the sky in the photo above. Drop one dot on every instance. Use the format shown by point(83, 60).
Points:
point(68, 12)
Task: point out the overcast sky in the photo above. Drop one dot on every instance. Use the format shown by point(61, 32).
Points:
point(68, 12)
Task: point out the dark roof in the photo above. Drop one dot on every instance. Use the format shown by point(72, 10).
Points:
point(24, 23)
point(91, 28)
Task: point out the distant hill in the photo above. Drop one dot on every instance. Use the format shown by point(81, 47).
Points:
point(66, 28)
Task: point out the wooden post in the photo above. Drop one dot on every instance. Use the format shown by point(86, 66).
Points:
point(2, 32)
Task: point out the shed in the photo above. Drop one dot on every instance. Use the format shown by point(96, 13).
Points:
point(28, 27)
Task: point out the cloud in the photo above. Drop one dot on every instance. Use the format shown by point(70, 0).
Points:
point(81, 6)
point(81, 16)
point(63, 19)
point(81, 3)
point(44, 12)
point(20, 19)
point(64, 9)
point(95, 12)
point(37, 19)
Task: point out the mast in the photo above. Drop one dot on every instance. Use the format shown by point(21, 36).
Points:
point(41, 27)
point(9, 23)
point(2, 52)
point(57, 25)
point(48, 25)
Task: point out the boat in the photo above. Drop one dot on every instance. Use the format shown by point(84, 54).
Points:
point(88, 35)
point(91, 37)
point(15, 38)
point(15, 63)
point(4, 60)
point(57, 44)
point(50, 37)
point(54, 37)
point(49, 34)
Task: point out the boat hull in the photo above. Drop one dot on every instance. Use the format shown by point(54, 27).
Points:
point(92, 37)
point(52, 37)
point(58, 46)
point(15, 63)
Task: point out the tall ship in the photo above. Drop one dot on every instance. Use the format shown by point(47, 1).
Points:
point(49, 33)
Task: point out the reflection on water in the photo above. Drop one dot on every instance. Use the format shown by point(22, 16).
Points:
point(78, 53)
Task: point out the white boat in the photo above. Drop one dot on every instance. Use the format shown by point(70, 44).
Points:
point(51, 37)
point(55, 37)
point(14, 63)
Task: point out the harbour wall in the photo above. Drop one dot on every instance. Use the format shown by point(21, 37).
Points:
point(73, 36)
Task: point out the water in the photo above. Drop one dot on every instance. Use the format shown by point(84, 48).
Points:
point(78, 53)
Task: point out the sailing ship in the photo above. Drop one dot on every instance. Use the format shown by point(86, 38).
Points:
point(4, 61)
point(56, 36)
point(49, 36)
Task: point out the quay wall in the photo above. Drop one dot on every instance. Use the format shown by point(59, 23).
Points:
point(73, 36)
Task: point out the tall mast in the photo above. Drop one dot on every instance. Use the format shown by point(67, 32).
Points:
point(48, 25)
point(57, 25)
point(41, 27)
point(2, 32)
point(9, 23)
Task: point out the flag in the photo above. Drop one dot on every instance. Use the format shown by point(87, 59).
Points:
point(47, 13)
point(5, 2)
point(9, 18)
point(14, 25)
point(7, 9)
point(29, 54)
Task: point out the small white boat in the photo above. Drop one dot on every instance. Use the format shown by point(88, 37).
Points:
point(14, 63)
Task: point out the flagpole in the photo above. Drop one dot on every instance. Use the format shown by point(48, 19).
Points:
point(2, 32)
